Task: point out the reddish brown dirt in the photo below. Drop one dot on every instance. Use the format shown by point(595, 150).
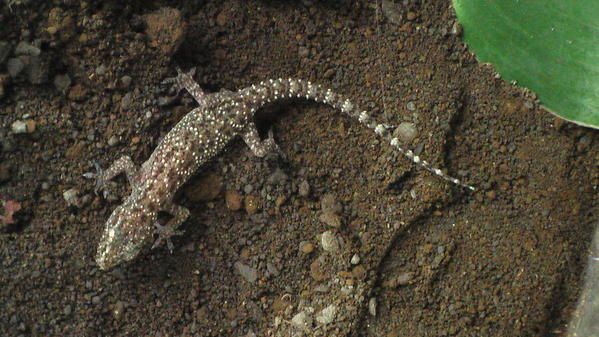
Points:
point(505, 260)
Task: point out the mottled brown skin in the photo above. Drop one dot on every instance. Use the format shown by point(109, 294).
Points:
point(198, 137)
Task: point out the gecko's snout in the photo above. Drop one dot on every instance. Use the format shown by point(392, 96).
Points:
point(123, 238)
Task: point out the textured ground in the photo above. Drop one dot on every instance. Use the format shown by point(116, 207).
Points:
point(426, 258)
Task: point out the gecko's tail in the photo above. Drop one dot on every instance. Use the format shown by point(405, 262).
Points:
point(273, 90)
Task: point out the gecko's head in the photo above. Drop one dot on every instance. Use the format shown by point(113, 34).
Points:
point(126, 232)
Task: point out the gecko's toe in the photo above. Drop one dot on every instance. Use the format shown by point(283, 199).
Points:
point(97, 176)
point(165, 233)
point(176, 83)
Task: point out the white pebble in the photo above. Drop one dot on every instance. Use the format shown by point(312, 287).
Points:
point(19, 127)
point(406, 132)
point(355, 259)
point(329, 242)
point(327, 315)
point(302, 321)
point(372, 306)
point(71, 197)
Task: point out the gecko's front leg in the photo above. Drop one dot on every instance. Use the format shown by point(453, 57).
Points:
point(121, 165)
point(179, 215)
point(186, 81)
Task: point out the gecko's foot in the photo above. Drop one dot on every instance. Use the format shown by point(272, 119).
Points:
point(164, 234)
point(272, 147)
point(98, 176)
point(181, 81)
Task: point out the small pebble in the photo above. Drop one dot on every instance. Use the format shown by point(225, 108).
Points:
point(330, 219)
point(402, 279)
point(233, 200)
point(372, 306)
point(14, 67)
point(113, 140)
point(251, 204)
point(71, 197)
point(31, 126)
point(329, 242)
point(126, 81)
point(248, 273)
point(272, 269)
point(24, 48)
point(77, 92)
point(391, 11)
point(304, 189)
point(62, 83)
point(329, 203)
point(303, 51)
point(37, 70)
point(529, 105)
point(126, 101)
point(406, 132)
point(67, 310)
point(18, 127)
point(327, 315)
point(119, 309)
point(280, 201)
point(302, 321)
point(457, 29)
point(317, 271)
point(101, 70)
point(306, 247)
point(411, 106)
point(329, 73)
point(355, 259)
point(278, 177)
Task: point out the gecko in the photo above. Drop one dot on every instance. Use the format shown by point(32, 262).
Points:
point(199, 136)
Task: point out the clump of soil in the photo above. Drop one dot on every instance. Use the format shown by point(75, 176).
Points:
point(342, 236)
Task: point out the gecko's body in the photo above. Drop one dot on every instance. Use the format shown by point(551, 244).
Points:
point(197, 138)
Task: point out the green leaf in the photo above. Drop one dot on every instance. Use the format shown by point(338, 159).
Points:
point(549, 46)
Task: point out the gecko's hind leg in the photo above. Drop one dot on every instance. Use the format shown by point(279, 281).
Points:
point(259, 147)
point(180, 214)
point(121, 165)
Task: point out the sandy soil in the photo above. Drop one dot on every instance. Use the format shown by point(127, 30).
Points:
point(413, 256)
